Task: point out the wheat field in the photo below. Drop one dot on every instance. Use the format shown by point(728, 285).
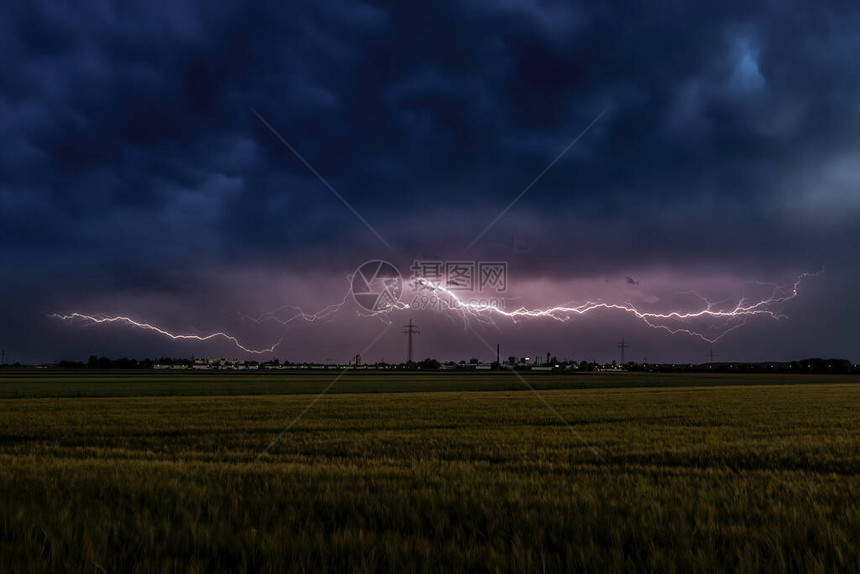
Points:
point(633, 475)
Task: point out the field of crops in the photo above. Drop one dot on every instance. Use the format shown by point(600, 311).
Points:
point(156, 473)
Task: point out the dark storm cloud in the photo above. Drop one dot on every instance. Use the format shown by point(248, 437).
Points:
point(130, 149)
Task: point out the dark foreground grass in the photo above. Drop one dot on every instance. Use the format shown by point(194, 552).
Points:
point(742, 478)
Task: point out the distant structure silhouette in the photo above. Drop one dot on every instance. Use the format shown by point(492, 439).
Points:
point(411, 330)
point(623, 346)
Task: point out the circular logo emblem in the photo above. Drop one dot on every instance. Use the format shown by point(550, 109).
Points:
point(376, 286)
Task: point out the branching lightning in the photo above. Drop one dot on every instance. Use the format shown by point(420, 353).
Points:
point(720, 318)
point(731, 318)
point(296, 313)
point(99, 320)
point(275, 315)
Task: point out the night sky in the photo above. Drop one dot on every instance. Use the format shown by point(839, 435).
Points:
point(136, 178)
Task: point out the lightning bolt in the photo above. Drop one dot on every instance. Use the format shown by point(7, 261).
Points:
point(730, 318)
point(100, 320)
point(733, 318)
point(297, 313)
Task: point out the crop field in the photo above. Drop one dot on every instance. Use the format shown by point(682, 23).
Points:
point(217, 472)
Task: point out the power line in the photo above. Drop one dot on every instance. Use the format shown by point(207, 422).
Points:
point(410, 331)
point(623, 346)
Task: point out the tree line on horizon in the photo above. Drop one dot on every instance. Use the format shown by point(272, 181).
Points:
point(809, 366)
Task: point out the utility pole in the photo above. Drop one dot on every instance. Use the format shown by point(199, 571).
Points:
point(498, 357)
point(410, 331)
point(3, 360)
point(623, 346)
point(711, 356)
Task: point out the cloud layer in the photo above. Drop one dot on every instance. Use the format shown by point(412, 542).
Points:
point(134, 169)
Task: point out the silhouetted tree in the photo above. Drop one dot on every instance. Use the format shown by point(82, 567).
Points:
point(429, 364)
